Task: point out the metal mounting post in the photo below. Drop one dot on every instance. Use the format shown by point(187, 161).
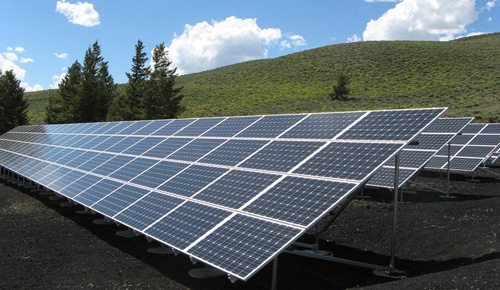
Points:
point(274, 282)
point(448, 169)
point(392, 264)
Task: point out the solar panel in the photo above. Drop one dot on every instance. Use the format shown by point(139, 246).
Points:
point(469, 150)
point(413, 158)
point(231, 192)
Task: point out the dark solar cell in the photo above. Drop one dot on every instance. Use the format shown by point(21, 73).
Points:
point(236, 188)
point(96, 192)
point(452, 150)
point(133, 168)
point(348, 160)
point(231, 126)
point(192, 180)
point(199, 127)
point(146, 210)
point(144, 145)
point(491, 129)
point(242, 244)
point(106, 144)
point(167, 147)
point(233, 152)
point(281, 155)
point(124, 144)
point(414, 159)
point(196, 149)
point(63, 181)
point(112, 165)
point(172, 127)
point(186, 224)
point(486, 140)
point(270, 126)
point(465, 164)
point(119, 199)
point(323, 126)
point(476, 151)
point(448, 125)
point(79, 185)
point(437, 162)
point(298, 200)
point(136, 126)
point(152, 127)
point(384, 177)
point(431, 141)
point(96, 161)
point(158, 174)
point(473, 128)
point(390, 125)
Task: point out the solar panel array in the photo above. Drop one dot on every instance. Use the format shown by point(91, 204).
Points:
point(231, 192)
point(414, 157)
point(469, 150)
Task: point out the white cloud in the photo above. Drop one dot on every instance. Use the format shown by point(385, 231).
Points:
point(491, 4)
point(423, 20)
point(10, 56)
point(26, 60)
point(28, 88)
point(292, 40)
point(372, 1)
point(206, 46)
point(63, 55)
point(79, 13)
point(7, 64)
point(354, 38)
point(56, 80)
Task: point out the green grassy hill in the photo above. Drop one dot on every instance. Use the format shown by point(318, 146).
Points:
point(463, 74)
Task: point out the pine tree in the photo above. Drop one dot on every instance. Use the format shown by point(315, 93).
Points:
point(340, 89)
point(63, 107)
point(13, 107)
point(162, 100)
point(86, 92)
point(130, 106)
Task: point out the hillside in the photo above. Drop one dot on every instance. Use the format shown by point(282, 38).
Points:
point(461, 74)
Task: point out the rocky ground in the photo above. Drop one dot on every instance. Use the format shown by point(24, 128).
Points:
point(441, 244)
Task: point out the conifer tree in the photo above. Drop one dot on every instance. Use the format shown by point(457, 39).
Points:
point(86, 92)
point(130, 106)
point(162, 100)
point(98, 87)
point(13, 107)
point(63, 106)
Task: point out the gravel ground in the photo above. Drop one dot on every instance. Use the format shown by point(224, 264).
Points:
point(441, 244)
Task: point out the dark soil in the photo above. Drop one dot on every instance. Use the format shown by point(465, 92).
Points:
point(441, 244)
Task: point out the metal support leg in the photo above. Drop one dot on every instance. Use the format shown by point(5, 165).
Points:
point(274, 282)
point(448, 169)
point(392, 264)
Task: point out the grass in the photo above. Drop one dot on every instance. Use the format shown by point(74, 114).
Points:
point(461, 74)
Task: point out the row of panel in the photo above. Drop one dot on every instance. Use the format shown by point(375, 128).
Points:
point(374, 125)
point(415, 156)
point(469, 150)
point(338, 160)
point(233, 218)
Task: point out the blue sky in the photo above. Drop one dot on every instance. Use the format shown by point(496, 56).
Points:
point(40, 39)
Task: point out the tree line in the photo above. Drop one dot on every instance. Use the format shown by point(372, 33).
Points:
point(88, 93)
point(13, 107)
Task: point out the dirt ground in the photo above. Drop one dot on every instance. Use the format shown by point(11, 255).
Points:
point(441, 244)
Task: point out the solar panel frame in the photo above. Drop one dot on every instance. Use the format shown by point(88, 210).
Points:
point(475, 146)
point(79, 182)
point(432, 140)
